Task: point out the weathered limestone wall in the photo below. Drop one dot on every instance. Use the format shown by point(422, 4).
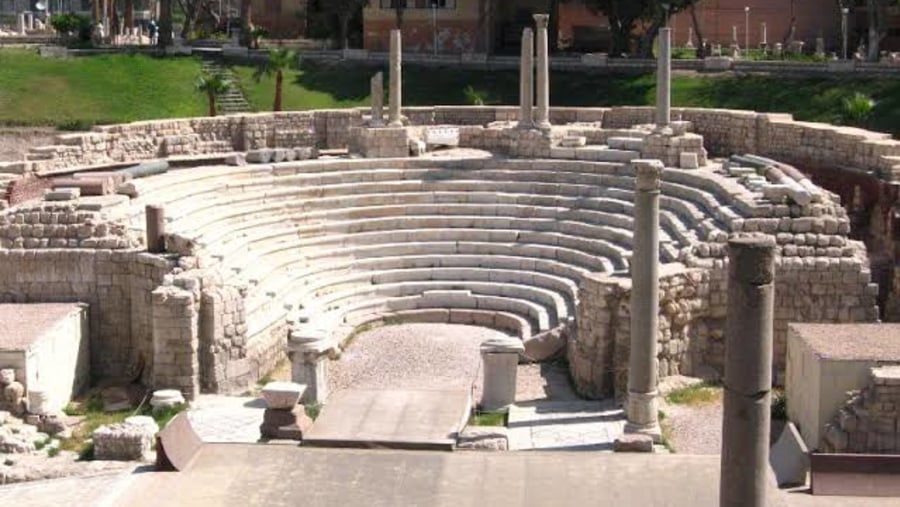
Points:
point(115, 283)
point(175, 314)
point(869, 422)
point(598, 359)
point(693, 307)
point(229, 362)
point(191, 136)
point(63, 225)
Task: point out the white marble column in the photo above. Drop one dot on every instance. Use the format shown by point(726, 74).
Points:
point(643, 365)
point(377, 91)
point(542, 112)
point(526, 81)
point(664, 78)
point(395, 118)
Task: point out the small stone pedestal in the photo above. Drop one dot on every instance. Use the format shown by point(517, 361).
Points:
point(500, 357)
point(285, 423)
point(284, 418)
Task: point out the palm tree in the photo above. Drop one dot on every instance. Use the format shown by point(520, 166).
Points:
point(279, 61)
point(212, 85)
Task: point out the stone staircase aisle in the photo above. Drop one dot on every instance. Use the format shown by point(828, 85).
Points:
point(233, 101)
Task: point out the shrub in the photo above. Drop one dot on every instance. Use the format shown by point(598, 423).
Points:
point(473, 96)
point(779, 405)
point(857, 109)
point(72, 24)
point(53, 452)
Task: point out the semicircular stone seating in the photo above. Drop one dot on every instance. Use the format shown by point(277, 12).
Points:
point(331, 244)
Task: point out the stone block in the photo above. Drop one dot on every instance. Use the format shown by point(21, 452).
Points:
point(633, 443)
point(789, 457)
point(236, 159)
point(282, 394)
point(688, 161)
point(261, 156)
point(285, 424)
point(573, 141)
point(62, 194)
point(165, 398)
point(127, 441)
point(483, 438)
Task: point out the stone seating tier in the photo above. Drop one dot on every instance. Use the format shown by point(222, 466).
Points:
point(325, 245)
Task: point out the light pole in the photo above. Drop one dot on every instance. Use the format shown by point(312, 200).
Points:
point(747, 31)
point(434, 6)
point(844, 29)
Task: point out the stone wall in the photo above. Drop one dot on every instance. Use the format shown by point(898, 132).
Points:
point(693, 307)
point(725, 131)
point(228, 361)
point(63, 225)
point(175, 314)
point(115, 283)
point(598, 358)
point(145, 140)
point(869, 422)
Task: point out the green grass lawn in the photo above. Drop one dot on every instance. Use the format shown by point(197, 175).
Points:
point(97, 89)
point(118, 88)
point(318, 85)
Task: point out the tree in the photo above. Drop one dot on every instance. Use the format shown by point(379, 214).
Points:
point(246, 24)
point(624, 16)
point(878, 25)
point(279, 61)
point(399, 6)
point(343, 10)
point(165, 24)
point(213, 85)
point(698, 34)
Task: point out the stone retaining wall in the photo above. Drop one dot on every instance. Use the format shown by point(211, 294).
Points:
point(117, 286)
point(693, 307)
point(869, 422)
point(725, 132)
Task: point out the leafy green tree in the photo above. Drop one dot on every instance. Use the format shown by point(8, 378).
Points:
point(279, 61)
point(343, 10)
point(213, 85)
point(624, 16)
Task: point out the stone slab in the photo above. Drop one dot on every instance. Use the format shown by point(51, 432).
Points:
point(240, 474)
point(565, 425)
point(398, 419)
point(789, 457)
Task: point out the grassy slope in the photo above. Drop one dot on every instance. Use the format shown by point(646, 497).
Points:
point(101, 89)
point(37, 91)
point(810, 99)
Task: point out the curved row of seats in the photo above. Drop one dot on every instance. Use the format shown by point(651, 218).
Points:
point(330, 244)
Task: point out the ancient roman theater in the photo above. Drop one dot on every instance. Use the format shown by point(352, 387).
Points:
point(196, 254)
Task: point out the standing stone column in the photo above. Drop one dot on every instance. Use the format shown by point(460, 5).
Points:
point(394, 115)
point(526, 81)
point(643, 369)
point(748, 372)
point(542, 112)
point(377, 92)
point(156, 229)
point(664, 78)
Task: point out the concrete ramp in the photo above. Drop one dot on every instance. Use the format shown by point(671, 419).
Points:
point(391, 418)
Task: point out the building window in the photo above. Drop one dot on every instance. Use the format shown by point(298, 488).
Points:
point(418, 4)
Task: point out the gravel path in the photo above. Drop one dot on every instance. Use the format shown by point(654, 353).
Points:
point(695, 429)
point(411, 356)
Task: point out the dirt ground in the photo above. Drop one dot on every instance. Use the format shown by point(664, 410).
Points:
point(15, 141)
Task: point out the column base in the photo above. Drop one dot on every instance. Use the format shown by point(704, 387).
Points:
point(542, 125)
point(395, 123)
point(652, 430)
point(525, 125)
